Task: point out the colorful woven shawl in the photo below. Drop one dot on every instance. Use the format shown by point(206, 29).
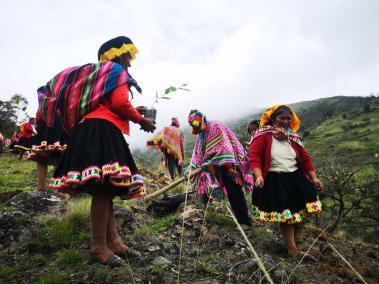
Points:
point(218, 146)
point(171, 141)
point(279, 133)
point(76, 91)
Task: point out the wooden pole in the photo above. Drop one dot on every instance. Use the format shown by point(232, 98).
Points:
point(171, 185)
point(260, 263)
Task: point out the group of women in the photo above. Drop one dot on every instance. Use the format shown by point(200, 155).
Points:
point(84, 112)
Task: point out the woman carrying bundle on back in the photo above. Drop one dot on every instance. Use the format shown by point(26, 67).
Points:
point(93, 103)
point(170, 141)
point(285, 179)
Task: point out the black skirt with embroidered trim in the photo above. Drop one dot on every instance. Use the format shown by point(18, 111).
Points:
point(48, 144)
point(98, 158)
point(24, 144)
point(285, 198)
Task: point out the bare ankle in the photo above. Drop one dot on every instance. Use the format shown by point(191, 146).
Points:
point(101, 252)
point(292, 252)
point(98, 248)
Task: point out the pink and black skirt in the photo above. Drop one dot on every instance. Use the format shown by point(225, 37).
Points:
point(285, 198)
point(98, 158)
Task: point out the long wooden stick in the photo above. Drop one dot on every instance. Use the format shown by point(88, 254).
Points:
point(260, 263)
point(171, 185)
point(344, 259)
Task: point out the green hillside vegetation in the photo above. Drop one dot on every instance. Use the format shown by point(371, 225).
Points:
point(336, 124)
point(354, 131)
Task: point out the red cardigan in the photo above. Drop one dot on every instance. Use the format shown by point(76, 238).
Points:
point(117, 109)
point(27, 130)
point(260, 155)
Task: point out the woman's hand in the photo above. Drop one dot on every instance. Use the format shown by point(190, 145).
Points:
point(259, 182)
point(147, 124)
point(317, 183)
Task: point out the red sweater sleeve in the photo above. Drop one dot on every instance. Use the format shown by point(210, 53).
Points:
point(120, 104)
point(257, 152)
point(28, 128)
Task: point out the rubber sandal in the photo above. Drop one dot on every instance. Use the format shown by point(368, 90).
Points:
point(306, 257)
point(130, 253)
point(112, 262)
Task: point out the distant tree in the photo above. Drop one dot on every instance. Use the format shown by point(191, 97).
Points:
point(20, 104)
point(11, 113)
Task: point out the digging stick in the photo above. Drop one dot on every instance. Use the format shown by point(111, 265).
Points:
point(171, 185)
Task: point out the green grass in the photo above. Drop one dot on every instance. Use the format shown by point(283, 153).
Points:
point(6, 271)
point(158, 226)
point(17, 175)
point(100, 274)
point(74, 227)
point(53, 277)
point(127, 204)
point(220, 219)
point(70, 257)
point(157, 269)
point(205, 266)
point(357, 134)
point(78, 213)
point(20, 268)
point(367, 173)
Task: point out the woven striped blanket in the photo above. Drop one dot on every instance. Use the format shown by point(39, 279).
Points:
point(171, 141)
point(76, 91)
point(218, 146)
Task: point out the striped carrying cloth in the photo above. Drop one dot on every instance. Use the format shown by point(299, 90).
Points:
point(170, 141)
point(218, 146)
point(76, 91)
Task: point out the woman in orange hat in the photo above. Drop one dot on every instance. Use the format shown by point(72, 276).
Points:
point(285, 179)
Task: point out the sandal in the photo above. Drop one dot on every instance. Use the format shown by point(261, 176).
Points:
point(306, 257)
point(130, 253)
point(112, 262)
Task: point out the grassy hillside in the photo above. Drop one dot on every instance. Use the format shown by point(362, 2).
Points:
point(354, 130)
point(336, 125)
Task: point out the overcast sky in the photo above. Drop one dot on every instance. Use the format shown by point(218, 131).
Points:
point(236, 56)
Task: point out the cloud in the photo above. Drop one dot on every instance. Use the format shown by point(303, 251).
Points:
point(235, 55)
